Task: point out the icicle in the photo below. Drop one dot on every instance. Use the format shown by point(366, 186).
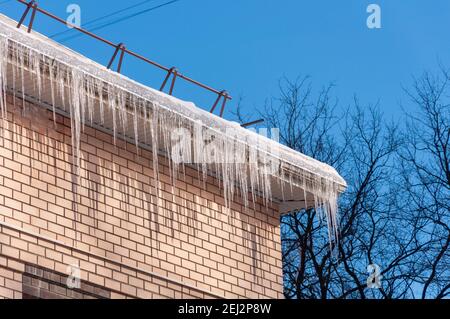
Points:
point(15, 70)
point(52, 88)
point(77, 106)
point(242, 160)
point(122, 108)
point(112, 99)
point(155, 151)
point(136, 115)
point(99, 85)
point(90, 91)
point(3, 78)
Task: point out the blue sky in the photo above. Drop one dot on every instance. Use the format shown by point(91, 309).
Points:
point(246, 46)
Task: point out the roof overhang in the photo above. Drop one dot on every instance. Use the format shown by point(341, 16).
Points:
point(301, 181)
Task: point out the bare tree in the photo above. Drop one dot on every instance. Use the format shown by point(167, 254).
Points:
point(385, 217)
point(425, 176)
point(361, 149)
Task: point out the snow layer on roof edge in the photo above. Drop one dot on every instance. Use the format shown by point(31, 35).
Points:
point(52, 49)
point(318, 178)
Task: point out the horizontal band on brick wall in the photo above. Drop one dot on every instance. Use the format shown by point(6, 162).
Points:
point(82, 251)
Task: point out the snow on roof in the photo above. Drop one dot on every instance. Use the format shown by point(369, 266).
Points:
point(92, 94)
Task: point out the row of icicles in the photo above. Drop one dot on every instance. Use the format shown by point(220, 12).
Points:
point(246, 167)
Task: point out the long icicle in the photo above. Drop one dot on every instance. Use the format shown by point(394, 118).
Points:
point(241, 163)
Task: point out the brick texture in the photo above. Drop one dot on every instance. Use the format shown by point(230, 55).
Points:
point(134, 244)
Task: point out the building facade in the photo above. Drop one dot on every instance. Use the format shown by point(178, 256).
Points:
point(91, 207)
point(110, 227)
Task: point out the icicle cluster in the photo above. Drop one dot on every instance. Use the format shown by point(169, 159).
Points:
point(243, 160)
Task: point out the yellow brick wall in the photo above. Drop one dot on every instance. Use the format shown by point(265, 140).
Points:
point(182, 244)
point(10, 279)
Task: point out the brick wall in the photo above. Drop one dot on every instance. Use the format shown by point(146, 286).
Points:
point(10, 280)
point(182, 244)
point(41, 283)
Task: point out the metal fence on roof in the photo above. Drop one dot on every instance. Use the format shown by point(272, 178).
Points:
point(120, 49)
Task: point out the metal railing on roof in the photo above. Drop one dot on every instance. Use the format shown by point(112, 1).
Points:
point(171, 72)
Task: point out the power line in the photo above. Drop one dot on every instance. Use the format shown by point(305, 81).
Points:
point(122, 19)
point(103, 17)
point(5, 2)
point(134, 15)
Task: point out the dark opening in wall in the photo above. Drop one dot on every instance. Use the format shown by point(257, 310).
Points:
point(41, 283)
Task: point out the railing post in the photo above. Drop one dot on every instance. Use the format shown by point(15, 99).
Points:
point(245, 125)
point(171, 71)
point(30, 5)
point(219, 96)
point(225, 96)
point(119, 47)
point(122, 54)
point(174, 78)
point(33, 15)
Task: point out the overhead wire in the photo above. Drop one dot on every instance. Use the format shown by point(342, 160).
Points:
point(5, 2)
point(90, 22)
point(118, 20)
